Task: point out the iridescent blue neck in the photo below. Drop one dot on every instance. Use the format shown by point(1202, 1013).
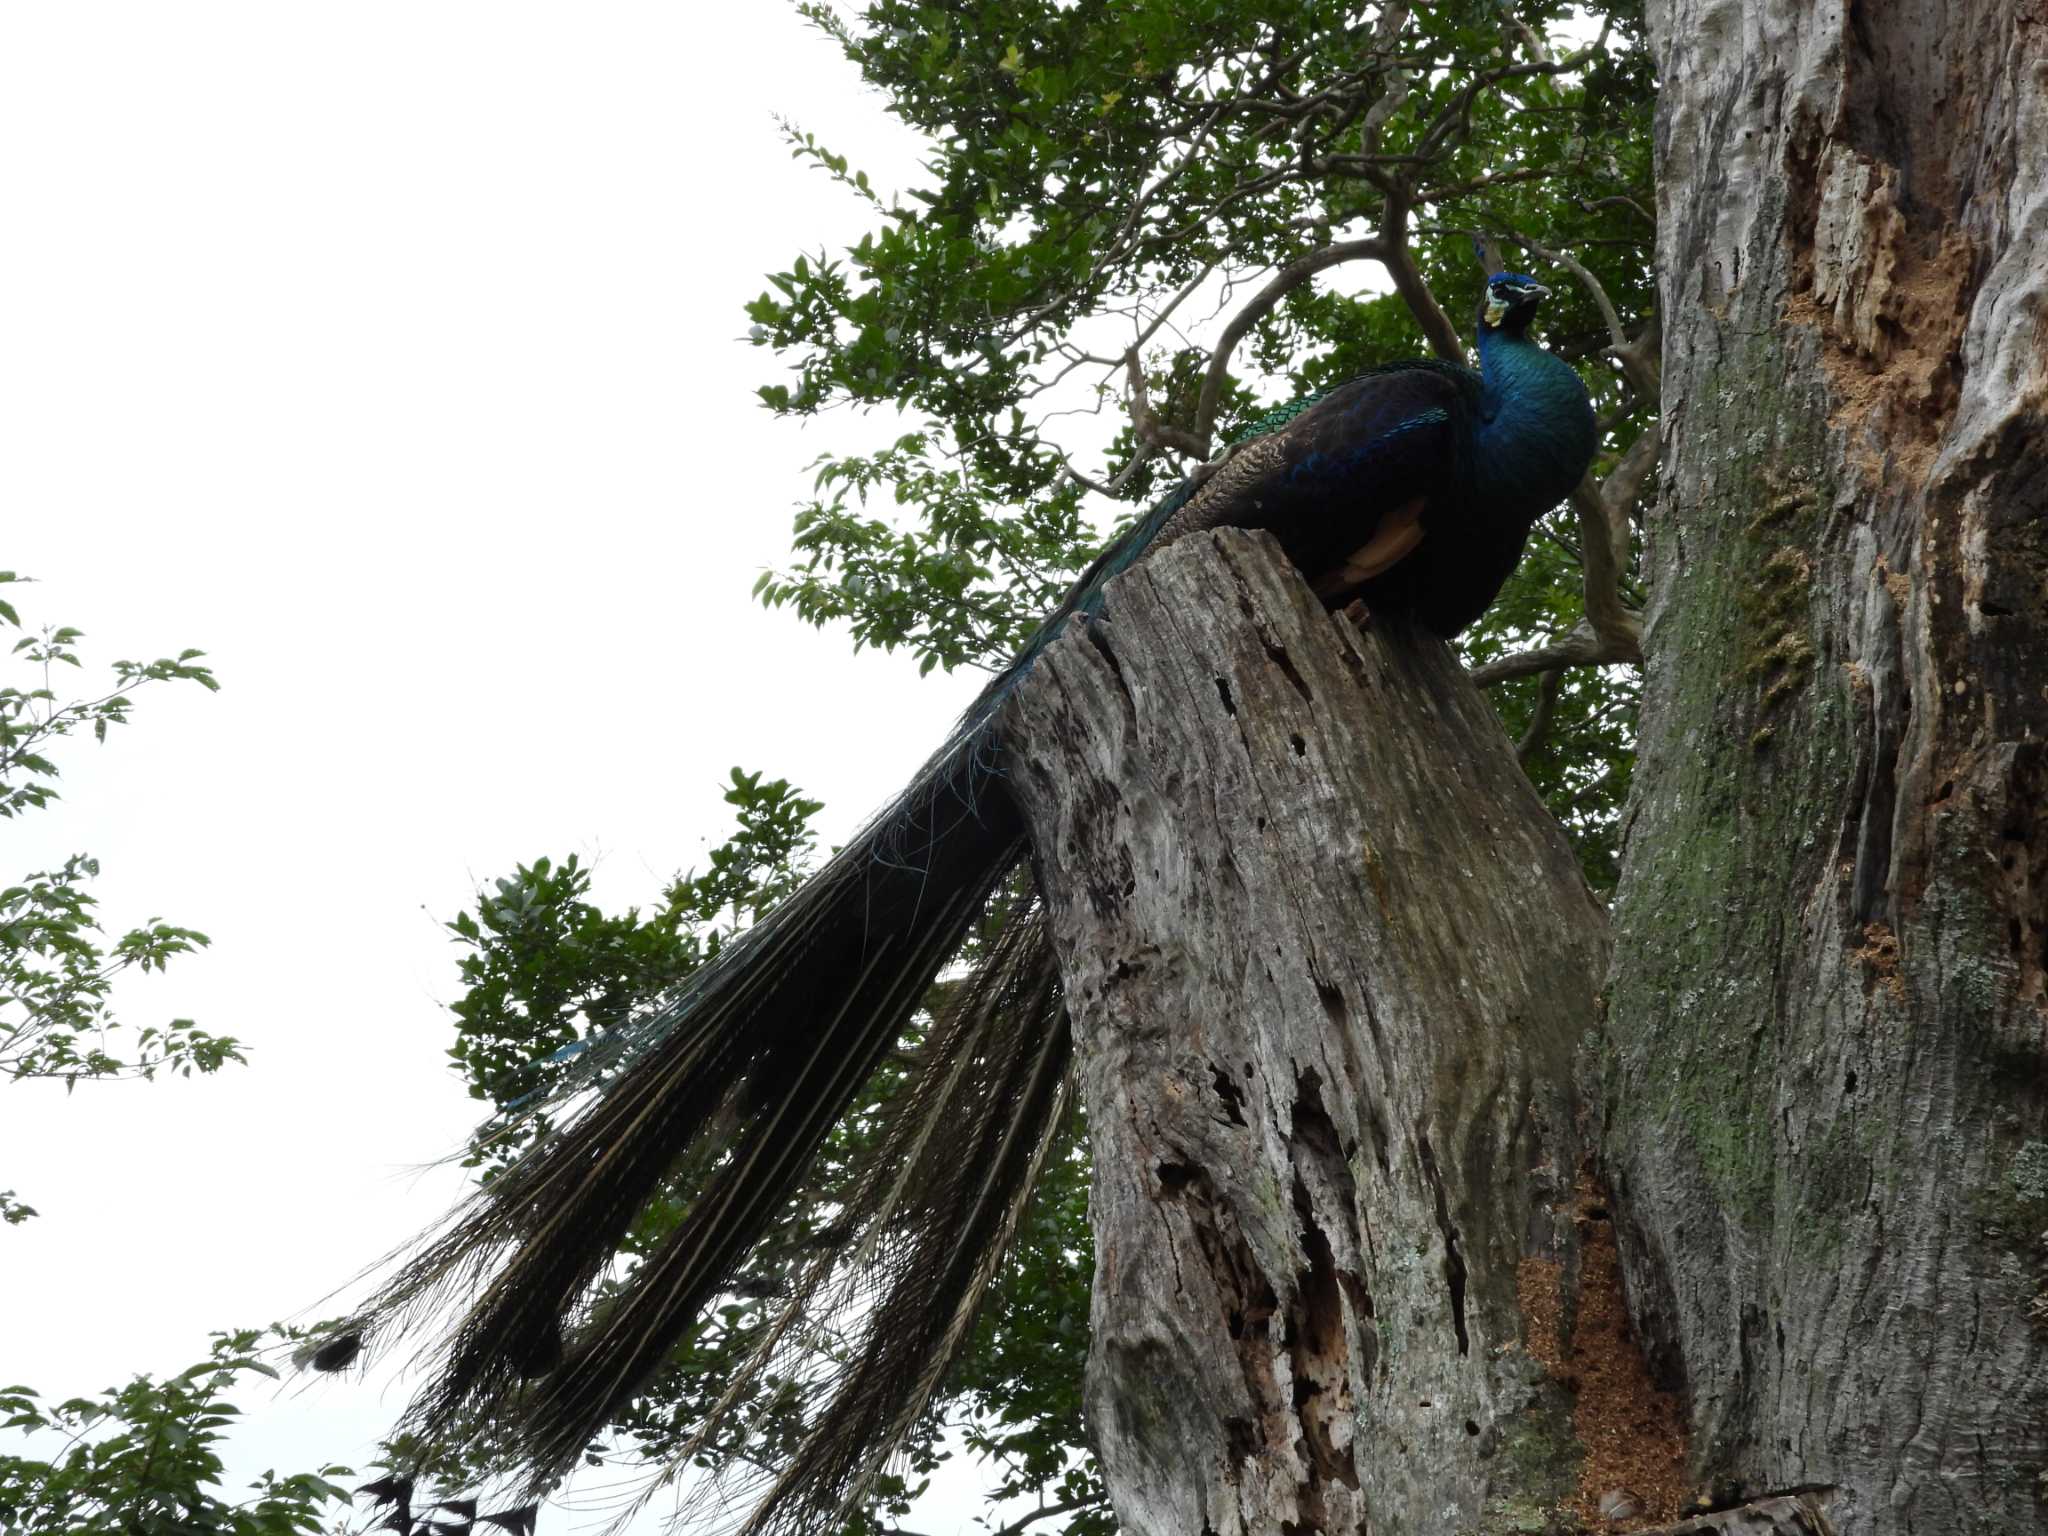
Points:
point(1536, 426)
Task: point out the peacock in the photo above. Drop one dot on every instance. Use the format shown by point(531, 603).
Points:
point(1412, 487)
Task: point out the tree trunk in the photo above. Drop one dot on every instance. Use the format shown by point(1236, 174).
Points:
point(1329, 963)
point(1826, 1116)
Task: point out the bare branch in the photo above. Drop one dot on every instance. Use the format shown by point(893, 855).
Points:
point(1282, 283)
point(1533, 45)
point(1111, 487)
point(1618, 201)
point(1603, 511)
point(1539, 719)
point(1407, 277)
point(1043, 1512)
point(1393, 20)
point(1151, 327)
point(1643, 356)
point(1526, 35)
point(1521, 173)
point(1623, 486)
point(1620, 631)
point(1579, 647)
point(1615, 334)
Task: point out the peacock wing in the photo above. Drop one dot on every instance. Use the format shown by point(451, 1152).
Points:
point(1346, 483)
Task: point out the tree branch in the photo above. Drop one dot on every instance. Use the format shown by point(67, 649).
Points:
point(1603, 511)
point(1043, 1512)
point(1453, 115)
point(1150, 430)
point(1580, 647)
point(1283, 282)
point(1624, 486)
point(1539, 720)
point(1620, 631)
point(1407, 277)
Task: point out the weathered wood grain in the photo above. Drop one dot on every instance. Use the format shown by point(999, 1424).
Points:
point(1329, 962)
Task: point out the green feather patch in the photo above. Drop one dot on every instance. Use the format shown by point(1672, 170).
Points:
point(1273, 421)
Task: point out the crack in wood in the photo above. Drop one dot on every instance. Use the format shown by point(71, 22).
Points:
point(1228, 1091)
point(1318, 1340)
point(1454, 1261)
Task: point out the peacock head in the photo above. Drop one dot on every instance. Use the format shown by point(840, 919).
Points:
point(1511, 298)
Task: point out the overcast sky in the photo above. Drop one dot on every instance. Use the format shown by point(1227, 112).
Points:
point(392, 354)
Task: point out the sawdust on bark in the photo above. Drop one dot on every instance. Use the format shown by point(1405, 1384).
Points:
point(1889, 301)
point(1633, 1434)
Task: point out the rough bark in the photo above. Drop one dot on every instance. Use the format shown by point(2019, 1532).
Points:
point(1328, 962)
point(1803, 1514)
point(1827, 1115)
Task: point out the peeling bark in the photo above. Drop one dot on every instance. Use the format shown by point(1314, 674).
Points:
point(1329, 963)
point(1827, 1111)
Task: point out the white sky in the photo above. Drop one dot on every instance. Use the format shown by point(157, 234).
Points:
point(390, 354)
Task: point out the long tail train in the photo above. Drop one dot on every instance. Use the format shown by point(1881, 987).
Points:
point(724, 1097)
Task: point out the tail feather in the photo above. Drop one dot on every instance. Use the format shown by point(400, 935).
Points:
point(725, 1097)
point(959, 1213)
point(721, 1101)
point(873, 1328)
point(629, 1339)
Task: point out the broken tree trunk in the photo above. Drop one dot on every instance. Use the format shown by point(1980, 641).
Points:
point(1329, 963)
point(1827, 1125)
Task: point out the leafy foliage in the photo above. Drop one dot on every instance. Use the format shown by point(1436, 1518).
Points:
point(144, 1459)
point(1107, 184)
point(56, 972)
point(57, 967)
point(993, 578)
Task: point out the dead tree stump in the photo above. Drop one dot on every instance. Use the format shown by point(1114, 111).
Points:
point(1329, 963)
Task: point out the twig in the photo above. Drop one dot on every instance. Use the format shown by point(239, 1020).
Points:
point(1539, 719)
